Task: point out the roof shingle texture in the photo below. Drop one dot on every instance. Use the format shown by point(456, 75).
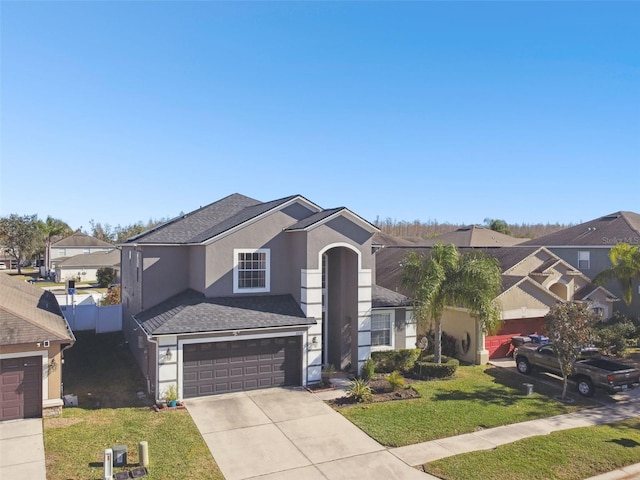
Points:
point(314, 218)
point(96, 259)
point(207, 222)
point(29, 314)
point(474, 236)
point(619, 227)
point(192, 312)
point(383, 297)
point(80, 239)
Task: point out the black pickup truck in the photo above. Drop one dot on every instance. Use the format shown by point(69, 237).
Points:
point(590, 371)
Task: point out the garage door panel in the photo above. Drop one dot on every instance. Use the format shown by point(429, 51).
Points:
point(241, 365)
point(21, 387)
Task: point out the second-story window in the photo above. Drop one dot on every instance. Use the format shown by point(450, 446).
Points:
point(584, 260)
point(251, 270)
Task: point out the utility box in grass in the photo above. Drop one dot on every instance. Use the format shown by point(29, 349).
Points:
point(120, 456)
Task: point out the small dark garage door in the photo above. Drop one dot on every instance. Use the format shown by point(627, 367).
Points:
point(20, 388)
point(222, 367)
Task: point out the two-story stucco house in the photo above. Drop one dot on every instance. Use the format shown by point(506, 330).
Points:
point(533, 280)
point(587, 246)
point(242, 294)
point(77, 243)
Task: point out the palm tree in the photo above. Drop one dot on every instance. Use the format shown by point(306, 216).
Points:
point(448, 278)
point(625, 261)
point(50, 229)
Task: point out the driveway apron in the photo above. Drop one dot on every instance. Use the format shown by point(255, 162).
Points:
point(282, 433)
point(22, 449)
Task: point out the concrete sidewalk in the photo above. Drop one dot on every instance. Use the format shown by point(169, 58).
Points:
point(490, 438)
point(487, 439)
point(22, 450)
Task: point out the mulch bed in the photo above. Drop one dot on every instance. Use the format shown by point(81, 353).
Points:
point(165, 408)
point(380, 389)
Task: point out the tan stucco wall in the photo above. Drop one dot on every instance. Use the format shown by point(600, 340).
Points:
point(52, 377)
point(458, 323)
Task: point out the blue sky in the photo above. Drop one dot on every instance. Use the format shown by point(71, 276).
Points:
point(438, 111)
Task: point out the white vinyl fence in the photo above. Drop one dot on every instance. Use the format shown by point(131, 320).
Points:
point(93, 317)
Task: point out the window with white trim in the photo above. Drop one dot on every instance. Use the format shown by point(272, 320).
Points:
point(251, 270)
point(584, 260)
point(381, 330)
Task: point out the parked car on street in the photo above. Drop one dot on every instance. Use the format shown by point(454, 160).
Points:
point(590, 371)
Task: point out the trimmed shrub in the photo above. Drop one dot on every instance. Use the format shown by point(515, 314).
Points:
point(391, 360)
point(612, 338)
point(396, 381)
point(426, 369)
point(368, 370)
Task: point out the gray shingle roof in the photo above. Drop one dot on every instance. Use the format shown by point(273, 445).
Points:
point(80, 239)
point(314, 218)
point(96, 259)
point(207, 222)
point(29, 314)
point(389, 259)
point(604, 231)
point(192, 312)
point(383, 297)
point(474, 236)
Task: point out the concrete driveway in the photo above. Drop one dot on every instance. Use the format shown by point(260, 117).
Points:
point(22, 449)
point(282, 433)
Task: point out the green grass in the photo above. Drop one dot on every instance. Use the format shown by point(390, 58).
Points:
point(566, 455)
point(478, 397)
point(101, 372)
point(75, 442)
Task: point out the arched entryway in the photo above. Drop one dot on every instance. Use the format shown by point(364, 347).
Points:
point(340, 307)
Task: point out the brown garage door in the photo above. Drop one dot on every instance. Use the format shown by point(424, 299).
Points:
point(221, 367)
point(21, 388)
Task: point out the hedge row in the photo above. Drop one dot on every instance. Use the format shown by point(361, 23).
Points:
point(426, 369)
point(392, 360)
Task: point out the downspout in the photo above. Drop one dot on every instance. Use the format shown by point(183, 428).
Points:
point(150, 339)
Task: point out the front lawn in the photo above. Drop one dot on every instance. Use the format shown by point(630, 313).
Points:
point(478, 397)
point(75, 443)
point(101, 372)
point(565, 455)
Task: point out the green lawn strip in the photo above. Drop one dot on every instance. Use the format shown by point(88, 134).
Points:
point(75, 443)
point(478, 397)
point(101, 372)
point(565, 455)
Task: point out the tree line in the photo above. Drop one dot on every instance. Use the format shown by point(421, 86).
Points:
point(27, 238)
point(432, 228)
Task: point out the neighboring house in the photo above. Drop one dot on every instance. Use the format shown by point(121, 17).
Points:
point(77, 244)
point(242, 294)
point(33, 335)
point(84, 267)
point(587, 246)
point(474, 236)
point(534, 279)
point(6, 261)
